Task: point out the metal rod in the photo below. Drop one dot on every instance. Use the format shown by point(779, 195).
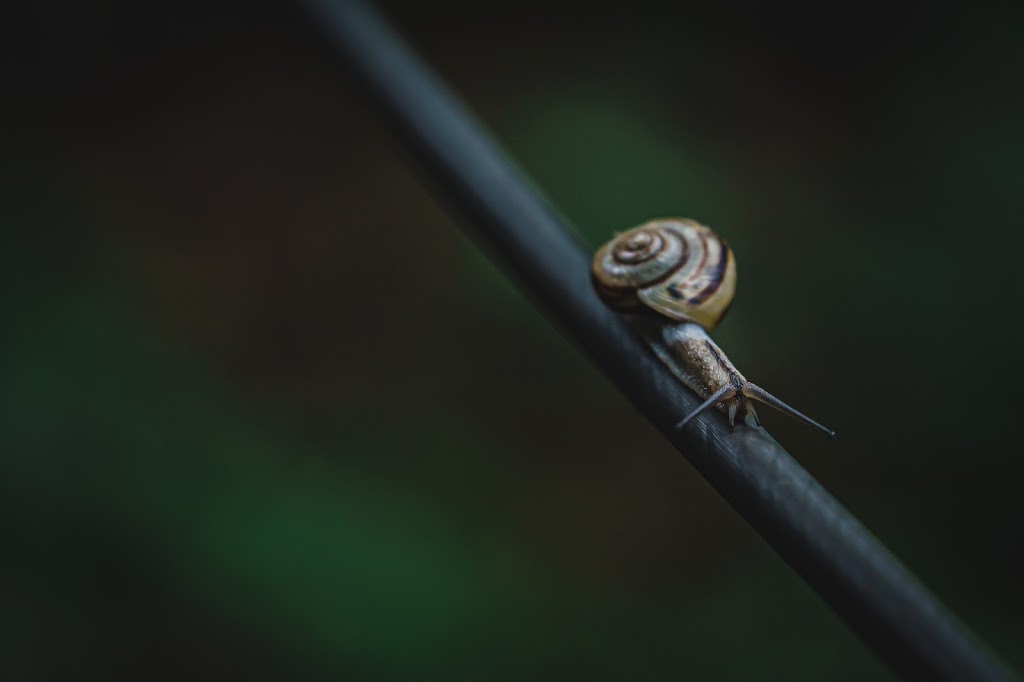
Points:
point(812, 532)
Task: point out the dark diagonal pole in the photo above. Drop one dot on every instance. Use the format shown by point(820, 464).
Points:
point(507, 216)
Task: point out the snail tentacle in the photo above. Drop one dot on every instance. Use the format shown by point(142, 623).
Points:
point(755, 392)
point(724, 393)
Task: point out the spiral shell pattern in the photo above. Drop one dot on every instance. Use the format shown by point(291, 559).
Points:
point(675, 266)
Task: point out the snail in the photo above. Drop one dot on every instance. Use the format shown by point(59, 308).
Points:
point(683, 273)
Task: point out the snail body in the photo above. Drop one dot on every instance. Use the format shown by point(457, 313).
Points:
point(683, 275)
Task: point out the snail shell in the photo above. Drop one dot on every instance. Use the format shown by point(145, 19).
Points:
point(674, 266)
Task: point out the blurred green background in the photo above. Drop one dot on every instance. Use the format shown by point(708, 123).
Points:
point(267, 414)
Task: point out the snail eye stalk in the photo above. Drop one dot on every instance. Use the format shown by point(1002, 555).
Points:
point(724, 393)
point(754, 392)
point(757, 393)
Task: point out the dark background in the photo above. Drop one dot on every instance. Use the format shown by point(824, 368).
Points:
point(266, 413)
